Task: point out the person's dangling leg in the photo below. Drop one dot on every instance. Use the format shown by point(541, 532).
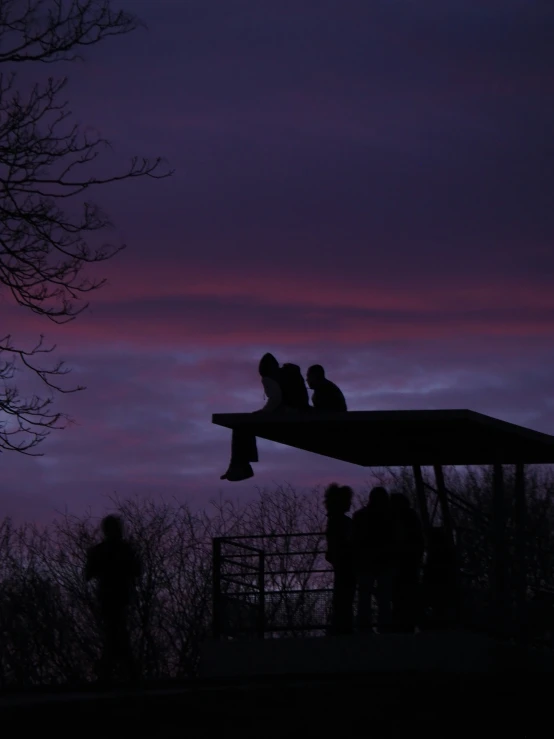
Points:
point(244, 450)
point(248, 446)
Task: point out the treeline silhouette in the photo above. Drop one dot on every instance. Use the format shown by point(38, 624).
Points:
point(48, 612)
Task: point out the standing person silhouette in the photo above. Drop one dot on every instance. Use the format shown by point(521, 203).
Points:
point(338, 500)
point(407, 554)
point(373, 561)
point(440, 580)
point(115, 566)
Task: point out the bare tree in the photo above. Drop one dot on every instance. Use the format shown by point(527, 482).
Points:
point(48, 618)
point(43, 164)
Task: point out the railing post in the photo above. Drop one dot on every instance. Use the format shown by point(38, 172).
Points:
point(500, 596)
point(449, 529)
point(261, 591)
point(520, 515)
point(443, 500)
point(422, 501)
point(216, 588)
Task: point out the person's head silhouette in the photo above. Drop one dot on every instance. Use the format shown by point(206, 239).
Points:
point(338, 498)
point(378, 498)
point(112, 528)
point(315, 376)
point(269, 366)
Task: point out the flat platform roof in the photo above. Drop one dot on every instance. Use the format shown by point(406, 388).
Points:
point(399, 438)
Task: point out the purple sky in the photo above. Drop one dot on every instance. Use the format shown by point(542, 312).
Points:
point(367, 185)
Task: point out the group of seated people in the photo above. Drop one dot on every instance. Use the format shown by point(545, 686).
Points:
point(380, 552)
point(285, 390)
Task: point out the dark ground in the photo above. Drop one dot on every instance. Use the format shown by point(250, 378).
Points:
point(507, 705)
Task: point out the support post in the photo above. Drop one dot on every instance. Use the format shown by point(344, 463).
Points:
point(520, 515)
point(443, 500)
point(449, 530)
point(261, 591)
point(422, 501)
point(216, 589)
point(500, 596)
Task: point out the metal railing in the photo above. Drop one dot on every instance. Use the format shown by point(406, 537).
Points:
point(270, 584)
point(249, 586)
point(281, 585)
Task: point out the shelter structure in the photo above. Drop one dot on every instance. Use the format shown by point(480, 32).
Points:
point(427, 438)
point(400, 438)
point(415, 439)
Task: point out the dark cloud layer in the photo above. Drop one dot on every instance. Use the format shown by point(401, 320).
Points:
point(367, 185)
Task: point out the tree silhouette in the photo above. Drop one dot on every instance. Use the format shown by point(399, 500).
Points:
point(43, 164)
point(48, 612)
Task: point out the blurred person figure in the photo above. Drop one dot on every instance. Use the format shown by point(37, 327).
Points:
point(407, 555)
point(338, 500)
point(115, 566)
point(440, 580)
point(373, 561)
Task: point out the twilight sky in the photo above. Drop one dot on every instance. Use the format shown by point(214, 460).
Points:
point(367, 185)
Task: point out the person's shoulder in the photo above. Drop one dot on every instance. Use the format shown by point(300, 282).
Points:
point(127, 547)
point(132, 548)
point(96, 549)
point(335, 389)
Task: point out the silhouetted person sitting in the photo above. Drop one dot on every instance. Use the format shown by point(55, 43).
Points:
point(408, 548)
point(440, 580)
point(339, 554)
point(326, 396)
point(293, 388)
point(244, 449)
point(372, 543)
point(285, 390)
point(115, 566)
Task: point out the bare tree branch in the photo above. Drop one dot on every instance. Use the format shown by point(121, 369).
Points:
point(51, 30)
point(44, 249)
